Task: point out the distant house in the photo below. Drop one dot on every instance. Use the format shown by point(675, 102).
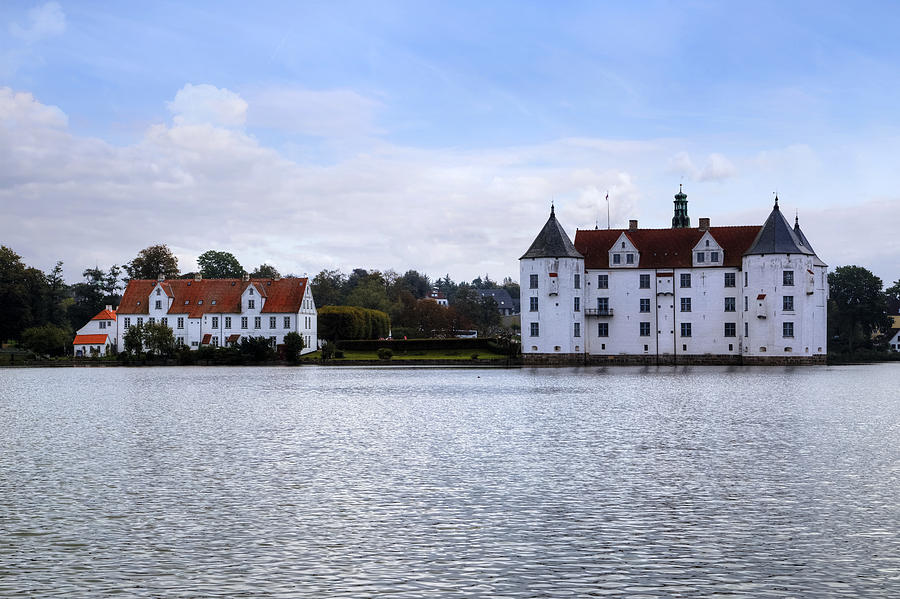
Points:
point(439, 296)
point(894, 336)
point(97, 337)
point(220, 312)
point(505, 303)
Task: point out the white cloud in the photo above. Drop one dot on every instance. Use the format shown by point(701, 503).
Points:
point(328, 113)
point(207, 104)
point(717, 168)
point(43, 22)
point(681, 164)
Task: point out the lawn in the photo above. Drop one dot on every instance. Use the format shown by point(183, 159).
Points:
point(435, 354)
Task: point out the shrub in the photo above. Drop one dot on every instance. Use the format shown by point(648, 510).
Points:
point(338, 353)
point(475, 356)
point(328, 350)
point(385, 353)
point(293, 345)
point(47, 340)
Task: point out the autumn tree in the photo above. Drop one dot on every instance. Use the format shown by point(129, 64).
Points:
point(153, 261)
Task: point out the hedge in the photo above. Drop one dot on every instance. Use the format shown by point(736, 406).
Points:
point(352, 322)
point(399, 345)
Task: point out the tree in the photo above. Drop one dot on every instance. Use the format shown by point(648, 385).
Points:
point(16, 313)
point(293, 345)
point(47, 339)
point(159, 339)
point(265, 271)
point(858, 306)
point(412, 282)
point(57, 294)
point(257, 349)
point(327, 287)
point(219, 265)
point(893, 292)
point(134, 339)
point(99, 289)
point(153, 261)
point(480, 310)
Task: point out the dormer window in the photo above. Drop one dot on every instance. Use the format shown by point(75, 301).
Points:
point(714, 256)
point(157, 291)
point(623, 245)
point(186, 302)
point(707, 243)
point(700, 256)
point(629, 258)
point(617, 258)
point(251, 291)
point(200, 303)
point(214, 302)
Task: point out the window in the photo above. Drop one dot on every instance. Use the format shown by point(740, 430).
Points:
point(729, 279)
point(685, 329)
point(617, 258)
point(535, 329)
point(603, 305)
point(287, 322)
point(745, 303)
point(746, 329)
point(707, 243)
point(685, 304)
point(257, 322)
point(165, 322)
point(140, 321)
point(629, 258)
point(179, 340)
point(645, 305)
point(685, 280)
point(787, 329)
point(645, 281)
point(158, 304)
point(714, 256)
point(127, 323)
point(200, 303)
point(213, 302)
point(151, 320)
point(578, 304)
point(730, 329)
point(243, 322)
point(272, 322)
point(251, 304)
point(227, 322)
point(157, 291)
point(578, 329)
point(602, 281)
point(787, 278)
point(577, 281)
point(699, 257)
point(645, 329)
point(787, 303)
point(251, 291)
point(533, 304)
point(102, 324)
point(180, 322)
point(729, 304)
point(603, 329)
point(533, 282)
point(215, 322)
point(215, 341)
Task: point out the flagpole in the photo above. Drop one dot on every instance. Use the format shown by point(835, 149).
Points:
point(607, 211)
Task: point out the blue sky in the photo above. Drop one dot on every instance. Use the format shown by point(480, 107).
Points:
point(434, 135)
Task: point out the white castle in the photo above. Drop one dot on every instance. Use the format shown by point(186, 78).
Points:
point(717, 295)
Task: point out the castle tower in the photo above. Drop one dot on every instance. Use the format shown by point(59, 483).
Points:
point(784, 293)
point(552, 287)
point(681, 220)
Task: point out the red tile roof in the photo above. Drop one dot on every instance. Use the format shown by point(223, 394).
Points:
point(206, 338)
point(214, 296)
point(233, 338)
point(90, 339)
point(663, 248)
point(105, 315)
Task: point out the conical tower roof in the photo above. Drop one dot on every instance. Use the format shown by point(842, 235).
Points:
point(552, 242)
point(777, 237)
point(805, 242)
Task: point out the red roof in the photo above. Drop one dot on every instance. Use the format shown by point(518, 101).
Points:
point(90, 339)
point(213, 296)
point(663, 248)
point(105, 315)
point(761, 296)
point(206, 338)
point(233, 338)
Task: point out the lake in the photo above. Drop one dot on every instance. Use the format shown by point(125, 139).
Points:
point(450, 482)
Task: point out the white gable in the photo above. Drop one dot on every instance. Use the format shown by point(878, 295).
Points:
point(623, 253)
point(707, 252)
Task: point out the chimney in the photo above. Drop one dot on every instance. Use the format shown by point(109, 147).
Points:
point(704, 224)
point(632, 225)
point(198, 276)
point(161, 277)
point(246, 277)
point(109, 308)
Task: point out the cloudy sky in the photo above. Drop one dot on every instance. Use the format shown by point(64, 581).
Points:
point(434, 136)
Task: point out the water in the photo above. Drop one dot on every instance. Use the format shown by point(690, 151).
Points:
point(346, 482)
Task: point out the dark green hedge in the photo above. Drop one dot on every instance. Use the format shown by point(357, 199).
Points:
point(418, 344)
point(351, 322)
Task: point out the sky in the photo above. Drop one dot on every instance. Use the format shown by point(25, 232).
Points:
point(434, 136)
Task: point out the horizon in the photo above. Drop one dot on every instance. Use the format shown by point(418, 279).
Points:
point(435, 137)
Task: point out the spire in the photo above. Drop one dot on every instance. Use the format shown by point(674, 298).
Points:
point(681, 219)
point(552, 213)
point(777, 237)
point(552, 242)
point(776, 201)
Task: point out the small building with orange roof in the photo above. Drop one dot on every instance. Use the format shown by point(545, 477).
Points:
point(98, 336)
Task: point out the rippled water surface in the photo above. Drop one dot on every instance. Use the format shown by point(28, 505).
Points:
point(349, 482)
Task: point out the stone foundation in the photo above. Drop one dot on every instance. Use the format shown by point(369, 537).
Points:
point(669, 360)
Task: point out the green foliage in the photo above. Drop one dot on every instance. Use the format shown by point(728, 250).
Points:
point(256, 349)
point(153, 261)
point(293, 345)
point(100, 288)
point(265, 271)
point(893, 292)
point(159, 339)
point(328, 350)
point(480, 311)
point(328, 288)
point(351, 322)
point(858, 308)
point(385, 353)
point(47, 340)
point(219, 265)
point(23, 296)
point(134, 340)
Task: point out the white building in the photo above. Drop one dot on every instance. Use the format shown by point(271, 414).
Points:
point(219, 312)
point(97, 337)
point(438, 296)
point(727, 295)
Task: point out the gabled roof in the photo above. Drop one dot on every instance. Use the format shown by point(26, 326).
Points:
point(552, 242)
point(90, 339)
point(105, 315)
point(214, 296)
point(501, 296)
point(663, 248)
point(777, 237)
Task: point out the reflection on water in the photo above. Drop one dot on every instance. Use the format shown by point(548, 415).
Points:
point(345, 482)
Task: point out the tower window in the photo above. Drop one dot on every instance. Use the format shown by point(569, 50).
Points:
point(535, 329)
point(533, 282)
point(730, 329)
point(645, 329)
point(787, 329)
point(533, 304)
point(685, 329)
point(788, 278)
